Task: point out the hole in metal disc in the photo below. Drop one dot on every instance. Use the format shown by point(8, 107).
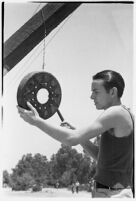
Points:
point(42, 96)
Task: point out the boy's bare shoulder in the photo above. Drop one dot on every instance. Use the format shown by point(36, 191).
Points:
point(120, 115)
point(114, 111)
point(117, 110)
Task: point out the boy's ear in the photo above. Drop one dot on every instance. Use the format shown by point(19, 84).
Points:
point(114, 91)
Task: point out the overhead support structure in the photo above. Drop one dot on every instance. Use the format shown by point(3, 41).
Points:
point(33, 31)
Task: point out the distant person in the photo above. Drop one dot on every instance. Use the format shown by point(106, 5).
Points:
point(73, 187)
point(114, 171)
point(91, 185)
point(57, 184)
point(77, 186)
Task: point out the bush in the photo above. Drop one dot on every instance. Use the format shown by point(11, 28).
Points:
point(36, 188)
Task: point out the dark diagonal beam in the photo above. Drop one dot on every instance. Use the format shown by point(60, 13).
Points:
point(33, 31)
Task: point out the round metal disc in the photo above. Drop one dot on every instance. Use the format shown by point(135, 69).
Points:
point(28, 90)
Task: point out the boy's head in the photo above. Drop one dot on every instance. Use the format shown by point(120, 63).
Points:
point(111, 79)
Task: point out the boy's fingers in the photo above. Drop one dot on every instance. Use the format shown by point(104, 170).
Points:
point(63, 123)
point(20, 109)
point(33, 109)
point(30, 106)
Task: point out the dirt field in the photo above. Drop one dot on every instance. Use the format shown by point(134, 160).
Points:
point(46, 192)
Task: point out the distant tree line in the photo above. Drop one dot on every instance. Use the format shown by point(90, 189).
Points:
point(37, 172)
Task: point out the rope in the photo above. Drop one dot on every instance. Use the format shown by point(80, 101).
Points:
point(59, 30)
point(43, 50)
point(25, 64)
point(23, 69)
point(43, 66)
point(36, 9)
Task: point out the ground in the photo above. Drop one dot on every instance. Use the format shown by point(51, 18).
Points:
point(46, 192)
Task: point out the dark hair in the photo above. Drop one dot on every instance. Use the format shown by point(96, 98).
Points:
point(111, 79)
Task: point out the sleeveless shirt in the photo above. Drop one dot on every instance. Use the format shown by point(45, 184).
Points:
point(115, 160)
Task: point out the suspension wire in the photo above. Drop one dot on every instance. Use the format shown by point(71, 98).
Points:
point(36, 9)
point(33, 52)
point(25, 67)
point(43, 50)
point(59, 29)
point(43, 66)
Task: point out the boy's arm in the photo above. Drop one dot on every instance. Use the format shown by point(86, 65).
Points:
point(88, 146)
point(67, 136)
point(91, 149)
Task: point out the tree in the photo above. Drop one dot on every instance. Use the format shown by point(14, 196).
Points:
point(30, 171)
point(6, 179)
point(68, 166)
point(40, 168)
point(65, 167)
point(23, 182)
point(84, 171)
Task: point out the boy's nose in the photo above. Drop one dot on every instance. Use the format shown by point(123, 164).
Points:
point(92, 96)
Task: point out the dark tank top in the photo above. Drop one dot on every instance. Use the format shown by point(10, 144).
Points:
point(115, 160)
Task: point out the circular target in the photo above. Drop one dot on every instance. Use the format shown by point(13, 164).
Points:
point(42, 90)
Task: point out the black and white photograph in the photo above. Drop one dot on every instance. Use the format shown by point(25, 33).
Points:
point(67, 112)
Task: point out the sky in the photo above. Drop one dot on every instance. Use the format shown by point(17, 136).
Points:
point(93, 38)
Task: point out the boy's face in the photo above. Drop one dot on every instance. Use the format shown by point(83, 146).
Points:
point(102, 98)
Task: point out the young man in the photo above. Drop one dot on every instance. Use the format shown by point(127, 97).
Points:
point(114, 157)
